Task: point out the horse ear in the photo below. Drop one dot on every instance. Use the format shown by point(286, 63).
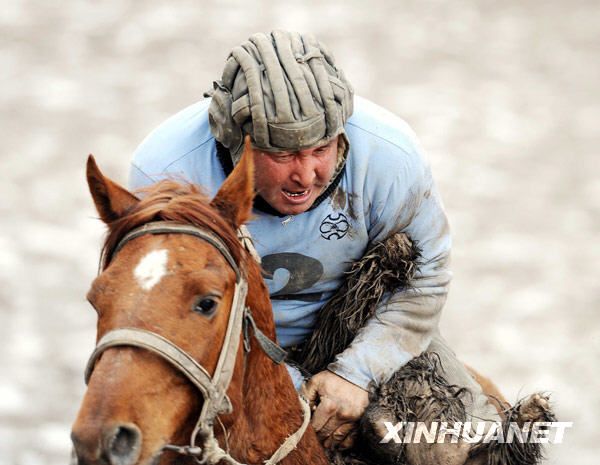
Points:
point(111, 200)
point(234, 199)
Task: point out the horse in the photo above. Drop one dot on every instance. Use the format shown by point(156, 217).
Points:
point(183, 310)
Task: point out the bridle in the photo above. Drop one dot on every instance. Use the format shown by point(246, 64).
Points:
point(213, 389)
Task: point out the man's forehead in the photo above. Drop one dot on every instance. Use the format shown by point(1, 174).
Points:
point(275, 151)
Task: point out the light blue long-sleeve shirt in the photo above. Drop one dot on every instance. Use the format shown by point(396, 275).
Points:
point(386, 187)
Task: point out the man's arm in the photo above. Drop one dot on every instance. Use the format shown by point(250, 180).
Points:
point(403, 325)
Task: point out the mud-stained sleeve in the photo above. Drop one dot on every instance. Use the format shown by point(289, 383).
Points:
point(406, 321)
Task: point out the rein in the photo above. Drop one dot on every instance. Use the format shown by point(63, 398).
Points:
point(213, 388)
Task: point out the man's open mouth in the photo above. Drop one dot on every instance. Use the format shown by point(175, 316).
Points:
point(295, 193)
point(296, 197)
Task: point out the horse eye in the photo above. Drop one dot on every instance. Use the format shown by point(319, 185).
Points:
point(205, 306)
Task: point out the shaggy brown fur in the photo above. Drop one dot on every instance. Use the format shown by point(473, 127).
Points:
point(416, 392)
point(531, 409)
point(386, 267)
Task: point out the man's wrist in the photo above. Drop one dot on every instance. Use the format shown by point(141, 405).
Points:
point(352, 376)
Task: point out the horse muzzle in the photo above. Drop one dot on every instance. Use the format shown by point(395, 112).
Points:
point(119, 444)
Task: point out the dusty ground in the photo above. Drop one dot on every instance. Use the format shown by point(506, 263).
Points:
point(504, 96)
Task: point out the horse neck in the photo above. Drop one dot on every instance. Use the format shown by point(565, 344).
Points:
point(271, 413)
point(270, 405)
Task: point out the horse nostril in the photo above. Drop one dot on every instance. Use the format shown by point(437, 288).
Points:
point(123, 444)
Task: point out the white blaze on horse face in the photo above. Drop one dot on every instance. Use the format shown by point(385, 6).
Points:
point(151, 269)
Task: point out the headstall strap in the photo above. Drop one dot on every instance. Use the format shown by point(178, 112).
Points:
point(167, 227)
point(274, 351)
point(213, 388)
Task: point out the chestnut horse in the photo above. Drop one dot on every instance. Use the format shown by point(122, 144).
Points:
point(173, 320)
point(181, 287)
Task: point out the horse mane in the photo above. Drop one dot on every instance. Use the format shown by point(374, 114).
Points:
point(168, 200)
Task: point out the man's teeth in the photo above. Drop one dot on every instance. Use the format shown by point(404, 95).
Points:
point(295, 194)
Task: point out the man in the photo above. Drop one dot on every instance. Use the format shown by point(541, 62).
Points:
point(333, 174)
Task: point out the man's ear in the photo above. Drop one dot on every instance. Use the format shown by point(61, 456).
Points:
point(111, 200)
point(234, 199)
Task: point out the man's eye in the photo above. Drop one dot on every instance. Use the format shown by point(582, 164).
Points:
point(322, 150)
point(284, 158)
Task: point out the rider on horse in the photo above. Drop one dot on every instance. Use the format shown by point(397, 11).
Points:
point(334, 175)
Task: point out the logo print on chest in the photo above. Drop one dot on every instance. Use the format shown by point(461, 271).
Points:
point(334, 226)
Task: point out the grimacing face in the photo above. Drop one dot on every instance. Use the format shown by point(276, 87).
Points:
point(291, 181)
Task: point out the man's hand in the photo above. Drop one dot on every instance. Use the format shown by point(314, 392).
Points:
point(339, 406)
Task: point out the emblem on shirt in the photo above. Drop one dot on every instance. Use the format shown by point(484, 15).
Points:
point(334, 226)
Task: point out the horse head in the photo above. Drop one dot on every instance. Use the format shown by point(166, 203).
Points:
point(177, 288)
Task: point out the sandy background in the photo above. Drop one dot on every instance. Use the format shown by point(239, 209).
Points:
point(504, 96)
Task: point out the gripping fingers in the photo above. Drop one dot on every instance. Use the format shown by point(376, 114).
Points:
point(339, 435)
point(348, 442)
point(324, 418)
